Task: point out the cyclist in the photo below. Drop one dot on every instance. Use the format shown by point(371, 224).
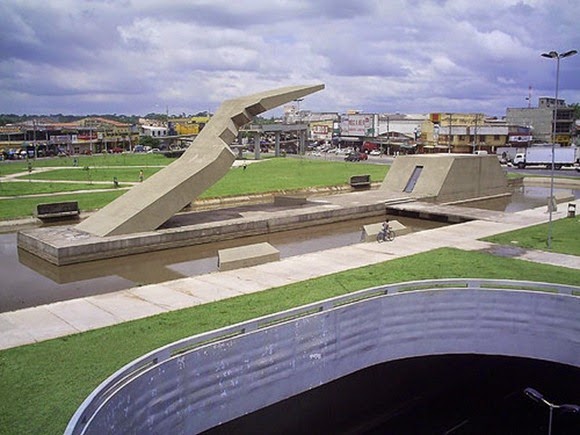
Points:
point(386, 232)
point(386, 226)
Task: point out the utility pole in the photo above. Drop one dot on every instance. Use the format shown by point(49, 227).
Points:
point(475, 142)
point(298, 118)
point(449, 138)
point(388, 136)
point(529, 97)
point(90, 136)
point(34, 142)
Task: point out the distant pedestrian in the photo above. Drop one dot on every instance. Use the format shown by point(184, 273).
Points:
point(115, 182)
point(75, 162)
point(141, 176)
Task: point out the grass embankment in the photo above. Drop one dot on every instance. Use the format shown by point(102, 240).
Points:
point(137, 159)
point(41, 385)
point(15, 188)
point(96, 173)
point(565, 237)
point(272, 175)
point(275, 175)
point(25, 207)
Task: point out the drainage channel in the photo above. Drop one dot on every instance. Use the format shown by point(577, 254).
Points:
point(30, 281)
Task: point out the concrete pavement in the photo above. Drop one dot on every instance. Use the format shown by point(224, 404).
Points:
point(59, 319)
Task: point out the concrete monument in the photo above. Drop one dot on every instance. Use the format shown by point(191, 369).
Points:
point(149, 204)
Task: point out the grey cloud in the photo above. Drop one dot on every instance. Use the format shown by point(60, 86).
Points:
point(377, 54)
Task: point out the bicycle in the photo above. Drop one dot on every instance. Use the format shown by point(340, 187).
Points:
point(385, 234)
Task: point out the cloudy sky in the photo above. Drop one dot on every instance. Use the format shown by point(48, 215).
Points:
point(407, 56)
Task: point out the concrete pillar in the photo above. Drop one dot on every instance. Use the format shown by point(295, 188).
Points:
point(301, 139)
point(257, 137)
point(277, 144)
point(240, 140)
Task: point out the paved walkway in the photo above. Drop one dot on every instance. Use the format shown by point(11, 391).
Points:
point(69, 317)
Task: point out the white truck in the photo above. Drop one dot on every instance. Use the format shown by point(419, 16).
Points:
point(542, 156)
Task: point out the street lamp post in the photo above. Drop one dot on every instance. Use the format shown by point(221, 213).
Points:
point(551, 204)
point(449, 137)
point(298, 116)
point(536, 396)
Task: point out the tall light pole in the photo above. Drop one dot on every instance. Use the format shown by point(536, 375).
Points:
point(536, 396)
point(298, 116)
point(551, 204)
point(449, 137)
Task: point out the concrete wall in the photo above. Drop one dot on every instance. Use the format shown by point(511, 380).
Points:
point(194, 390)
point(448, 177)
point(540, 118)
point(68, 245)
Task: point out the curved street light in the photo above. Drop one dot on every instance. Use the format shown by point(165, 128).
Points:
point(536, 396)
point(551, 204)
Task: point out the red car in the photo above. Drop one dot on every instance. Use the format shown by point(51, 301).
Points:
point(356, 157)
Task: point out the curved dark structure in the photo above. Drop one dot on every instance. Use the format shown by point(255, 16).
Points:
point(206, 380)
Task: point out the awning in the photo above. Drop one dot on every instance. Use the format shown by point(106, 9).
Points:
point(439, 147)
point(350, 139)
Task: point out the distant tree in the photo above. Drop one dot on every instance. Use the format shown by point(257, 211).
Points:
point(152, 142)
point(576, 107)
point(157, 116)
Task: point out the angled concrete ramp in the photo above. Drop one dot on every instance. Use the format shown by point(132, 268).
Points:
point(148, 205)
point(446, 177)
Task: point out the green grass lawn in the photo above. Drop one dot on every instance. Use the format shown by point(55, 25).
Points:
point(278, 174)
point(565, 237)
point(128, 159)
point(24, 207)
point(514, 176)
point(42, 384)
point(271, 175)
point(96, 173)
point(13, 188)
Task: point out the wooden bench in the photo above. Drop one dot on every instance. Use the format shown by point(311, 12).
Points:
point(57, 210)
point(358, 181)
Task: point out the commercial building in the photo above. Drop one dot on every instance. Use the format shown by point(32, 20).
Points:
point(462, 133)
point(43, 136)
point(540, 120)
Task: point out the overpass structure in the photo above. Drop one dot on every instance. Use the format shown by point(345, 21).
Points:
point(201, 382)
point(258, 130)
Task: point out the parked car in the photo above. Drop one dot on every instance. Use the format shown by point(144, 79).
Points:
point(356, 157)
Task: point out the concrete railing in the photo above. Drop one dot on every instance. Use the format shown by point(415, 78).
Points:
point(211, 378)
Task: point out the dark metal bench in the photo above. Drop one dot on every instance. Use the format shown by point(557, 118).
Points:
point(360, 181)
point(57, 210)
